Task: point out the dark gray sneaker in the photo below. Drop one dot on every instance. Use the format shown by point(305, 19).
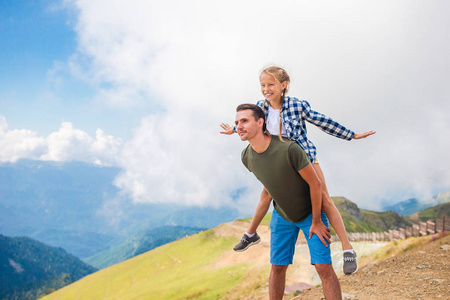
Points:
point(246, 242)
point(350, 263)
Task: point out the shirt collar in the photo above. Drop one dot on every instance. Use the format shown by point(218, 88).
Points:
point(283, 107)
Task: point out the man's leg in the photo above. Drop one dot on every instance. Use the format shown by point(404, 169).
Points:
point(277, 282)
point(321, 259)
point(330, 282)
point(283, 235)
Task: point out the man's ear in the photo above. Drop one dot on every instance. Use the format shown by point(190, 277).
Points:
point(261, 122)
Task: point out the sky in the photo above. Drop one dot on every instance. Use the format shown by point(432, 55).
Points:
point(143, 85)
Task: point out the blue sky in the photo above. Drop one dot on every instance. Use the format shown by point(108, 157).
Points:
point(37, 91)
point(33, 38)
point(144, 85)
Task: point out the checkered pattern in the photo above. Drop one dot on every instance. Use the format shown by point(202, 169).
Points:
point(295, 112)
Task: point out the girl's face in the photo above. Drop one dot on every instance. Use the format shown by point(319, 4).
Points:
point(271, 88)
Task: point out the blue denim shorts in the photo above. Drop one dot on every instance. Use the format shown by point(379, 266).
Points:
point(284, 234)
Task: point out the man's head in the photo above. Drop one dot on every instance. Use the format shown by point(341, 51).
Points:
point(250, 120)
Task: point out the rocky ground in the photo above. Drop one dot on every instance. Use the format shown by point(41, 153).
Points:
point(416, 268)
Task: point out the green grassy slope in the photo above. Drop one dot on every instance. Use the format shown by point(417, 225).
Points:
point(265, 220)
point(435, 212)
point(172, 271)
point(138, 244)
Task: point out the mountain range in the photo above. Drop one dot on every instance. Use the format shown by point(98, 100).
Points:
point(77, 207)
point(410, 206)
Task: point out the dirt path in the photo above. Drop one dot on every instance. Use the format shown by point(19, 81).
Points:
point(410, 269)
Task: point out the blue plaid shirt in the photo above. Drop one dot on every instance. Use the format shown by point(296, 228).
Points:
point(295, 112)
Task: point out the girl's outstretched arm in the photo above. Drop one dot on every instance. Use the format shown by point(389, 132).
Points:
point(358, 136)
point(227, 129)
point(330, 126)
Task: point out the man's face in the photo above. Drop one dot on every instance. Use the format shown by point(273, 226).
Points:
point(246, 125)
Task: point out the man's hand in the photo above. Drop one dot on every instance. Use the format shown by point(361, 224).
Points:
point(322, 231)
point(228, 129)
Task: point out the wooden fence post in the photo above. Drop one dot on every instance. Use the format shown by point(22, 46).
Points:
point(431, 227)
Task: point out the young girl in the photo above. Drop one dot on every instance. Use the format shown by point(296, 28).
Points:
point(285, 117)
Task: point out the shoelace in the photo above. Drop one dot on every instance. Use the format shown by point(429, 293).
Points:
point(245, 239)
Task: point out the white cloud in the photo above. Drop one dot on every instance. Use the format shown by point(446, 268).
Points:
point(169, 162)
point(66, 144)
point(370, 65)
point(19, 143)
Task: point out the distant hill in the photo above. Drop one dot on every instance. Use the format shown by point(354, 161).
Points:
point(413, 205)
point(408, 207)
point(140, 243)
point(432, 213)
point(76, 206)
point(361, 220)
point(29, 269)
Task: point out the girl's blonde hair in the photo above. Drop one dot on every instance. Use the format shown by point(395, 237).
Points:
point(281, 76)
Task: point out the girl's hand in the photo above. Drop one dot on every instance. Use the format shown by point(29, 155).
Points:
point(358, 136)
point(228, 129)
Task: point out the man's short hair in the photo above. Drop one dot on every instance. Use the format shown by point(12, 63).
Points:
point(257, 112)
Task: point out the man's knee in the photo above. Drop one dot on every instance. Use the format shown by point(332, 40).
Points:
point(279, 269)
point(325, 270)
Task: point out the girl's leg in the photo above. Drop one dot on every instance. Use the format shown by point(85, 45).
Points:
point(332, 212)
point(250, 236)
point(260, 212)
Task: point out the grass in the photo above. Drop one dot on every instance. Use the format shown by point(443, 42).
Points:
point(265, 220)
point(435, 212)
point(179, 270)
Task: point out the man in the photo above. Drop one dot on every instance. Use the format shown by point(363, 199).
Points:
point(290, 180)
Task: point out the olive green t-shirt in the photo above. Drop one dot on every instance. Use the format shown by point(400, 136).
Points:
point(277, 169)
